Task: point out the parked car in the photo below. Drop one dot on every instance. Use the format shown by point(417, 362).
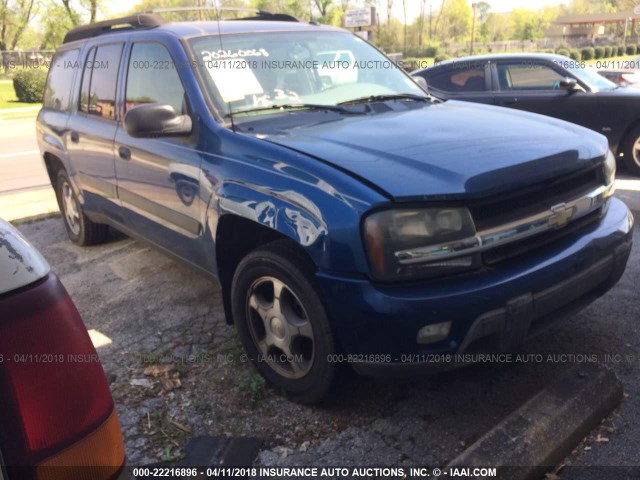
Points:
point(547, 84)
point(623, 78)
point(57, 419)
point(358, 222)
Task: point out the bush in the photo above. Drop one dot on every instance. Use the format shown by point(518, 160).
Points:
point(441, 58)
point(575, 55)
point(431, 51)
point(620, 51)
point(599, 52)
point(608, 51)
point(588, 53)
point(631, 50)
point(29, 84)
point(563, 51)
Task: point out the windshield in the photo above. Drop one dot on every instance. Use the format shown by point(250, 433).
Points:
point(259, 70)
point(592, 78)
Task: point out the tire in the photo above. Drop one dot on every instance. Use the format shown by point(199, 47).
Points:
point(274, 328)
point(80, 229)
point(632, 152)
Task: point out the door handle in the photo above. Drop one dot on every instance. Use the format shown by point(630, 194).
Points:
point(75, 138)
point(124, 153)
point(510, 102)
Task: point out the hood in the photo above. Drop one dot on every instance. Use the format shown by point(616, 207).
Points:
point(444, 150)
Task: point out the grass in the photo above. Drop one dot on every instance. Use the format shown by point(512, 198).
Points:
point(8, 96)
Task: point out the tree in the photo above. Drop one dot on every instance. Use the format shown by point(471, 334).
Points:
point(14, 19)
point(56, 22)
point(455, 20)
point(323, 7)
point(483, 9)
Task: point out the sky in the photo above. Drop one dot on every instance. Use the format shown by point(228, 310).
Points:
point(413, 6)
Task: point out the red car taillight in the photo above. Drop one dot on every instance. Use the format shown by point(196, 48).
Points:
point(54, 395)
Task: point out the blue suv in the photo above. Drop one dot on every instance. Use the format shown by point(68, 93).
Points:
point(348, 217)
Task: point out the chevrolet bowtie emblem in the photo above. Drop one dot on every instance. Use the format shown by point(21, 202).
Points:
point(561, 214)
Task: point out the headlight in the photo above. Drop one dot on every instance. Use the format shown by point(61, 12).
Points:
point(610, 172)
point(394, 239)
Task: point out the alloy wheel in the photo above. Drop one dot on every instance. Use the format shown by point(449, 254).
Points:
point(70, 207)
point(280, 328)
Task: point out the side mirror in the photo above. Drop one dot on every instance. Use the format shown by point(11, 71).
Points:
point(156, 120)
point(422, 83)
point(571, 85)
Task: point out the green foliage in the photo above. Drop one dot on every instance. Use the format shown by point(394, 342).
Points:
point(631, 50)
point(563, 51)
point(608, 51)
point(29, 84)
point(620, 50)
point(431, 51)
point(575, 54)
point(441, 58)
point(599, 52)
point(254, 385)
point(588, 53)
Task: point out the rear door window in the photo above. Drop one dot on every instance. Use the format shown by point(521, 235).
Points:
point(99, 79)
point(460, 79)
point(58, 90)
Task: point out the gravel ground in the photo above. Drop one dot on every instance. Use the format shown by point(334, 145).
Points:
point(176, 370)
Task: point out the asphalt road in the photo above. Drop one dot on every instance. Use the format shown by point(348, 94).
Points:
point(20, 165)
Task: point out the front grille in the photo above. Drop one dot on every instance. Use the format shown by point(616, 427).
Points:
point(529, 245)
point(506, 208)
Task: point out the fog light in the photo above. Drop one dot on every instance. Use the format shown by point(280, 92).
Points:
point(434, 333)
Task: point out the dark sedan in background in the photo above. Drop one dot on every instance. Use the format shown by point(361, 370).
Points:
point(550, 85)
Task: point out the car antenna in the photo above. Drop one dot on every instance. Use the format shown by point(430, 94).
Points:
point(217, 10)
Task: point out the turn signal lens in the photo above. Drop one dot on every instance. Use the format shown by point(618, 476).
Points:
point(98, 456)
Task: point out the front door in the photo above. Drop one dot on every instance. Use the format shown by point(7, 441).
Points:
point(534, 86)
point(159, 178)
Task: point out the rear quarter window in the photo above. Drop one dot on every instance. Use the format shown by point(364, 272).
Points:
point(57, 93)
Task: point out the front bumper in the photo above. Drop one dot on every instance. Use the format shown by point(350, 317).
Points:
point(377, 325)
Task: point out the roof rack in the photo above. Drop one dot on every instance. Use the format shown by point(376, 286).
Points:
point(259, 14)
point(151, 19)
point(132, 22)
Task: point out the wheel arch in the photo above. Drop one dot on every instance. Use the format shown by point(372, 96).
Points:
point(625, 136)
point(237, 236)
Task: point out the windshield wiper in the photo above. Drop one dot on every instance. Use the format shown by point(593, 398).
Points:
point(382, 98)
point(296, 106)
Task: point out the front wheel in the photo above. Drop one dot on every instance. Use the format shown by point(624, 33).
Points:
point(282, 322)
point(632, 152)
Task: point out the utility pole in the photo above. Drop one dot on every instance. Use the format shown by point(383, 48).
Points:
point(473, 27)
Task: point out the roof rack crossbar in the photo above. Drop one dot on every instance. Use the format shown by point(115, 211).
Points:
point(151, 19)
point(260, 14)
point(133, 22)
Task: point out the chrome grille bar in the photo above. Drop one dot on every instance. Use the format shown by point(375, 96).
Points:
point(556, 217)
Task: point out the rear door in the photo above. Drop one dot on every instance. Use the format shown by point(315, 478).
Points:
point(466, 80)
point(534, 86)
point(158, 178)
point(93, 128)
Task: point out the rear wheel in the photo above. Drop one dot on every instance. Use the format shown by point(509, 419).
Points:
point(632, 152)
point(282, 322)
point(80, 229)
